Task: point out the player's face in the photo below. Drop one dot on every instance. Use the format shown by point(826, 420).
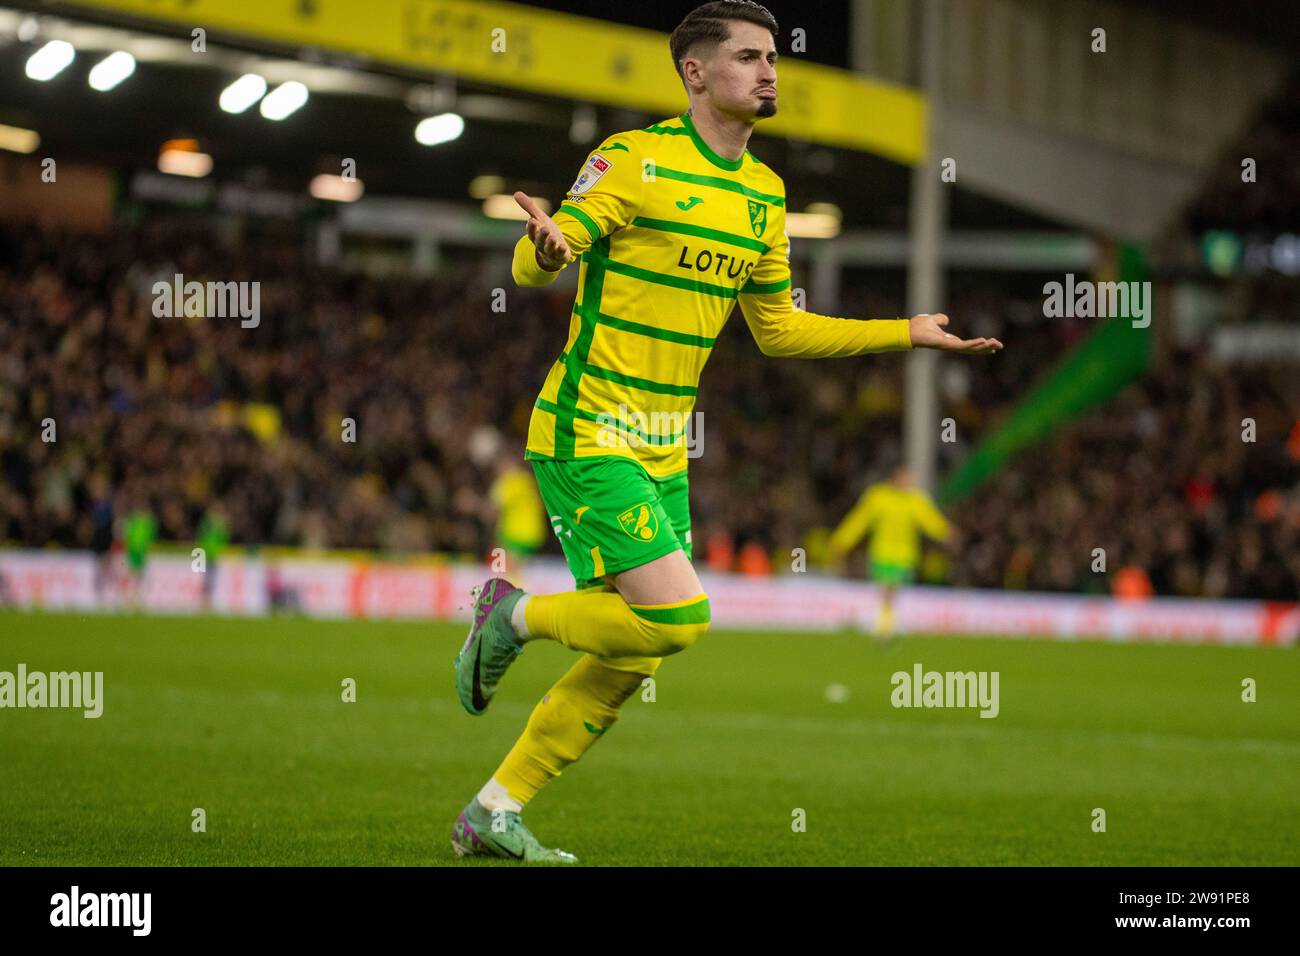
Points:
point(741, 76)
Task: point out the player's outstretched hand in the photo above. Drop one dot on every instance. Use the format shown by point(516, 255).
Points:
point(552, 250)
point(927, 332)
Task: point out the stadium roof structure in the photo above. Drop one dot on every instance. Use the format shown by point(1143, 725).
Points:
point(1134, 152)
point(367, 110)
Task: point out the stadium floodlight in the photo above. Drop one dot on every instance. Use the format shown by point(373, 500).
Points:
point(811, 225)
point(50, 60)
point(336, 188)
point(826, 208)
point(442, 128)
point(178, 161)
point(502, 206)
point(284, 100)
point(111, 71)
point(19, 140)
point(242, 93)
point(821, 220)
point(480, 187)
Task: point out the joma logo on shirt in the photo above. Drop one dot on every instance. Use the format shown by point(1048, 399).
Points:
point(711, 262)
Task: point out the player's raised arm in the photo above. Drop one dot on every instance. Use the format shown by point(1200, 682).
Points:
point(552, 250)
point(853, 528)
point(927, 332)
point(605, 196)
point(782, 330)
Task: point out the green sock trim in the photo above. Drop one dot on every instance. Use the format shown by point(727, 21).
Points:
point(694, 613)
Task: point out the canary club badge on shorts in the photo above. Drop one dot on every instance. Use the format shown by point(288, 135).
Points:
point(640, 522)
point(596, 167)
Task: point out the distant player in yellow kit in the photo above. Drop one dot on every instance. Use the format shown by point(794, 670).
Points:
point(895, 514)
point(521, 518)
point(674, 225)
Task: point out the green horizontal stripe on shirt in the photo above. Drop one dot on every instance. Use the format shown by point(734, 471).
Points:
point(645, 384)
point(613, 421)
point(583, 218)
point(718, 182)
point(632, 381)
point(674, 282)
point(649, 331)
point(764, 288)
point(704, 232)
point(654, 332)
point(697, 613)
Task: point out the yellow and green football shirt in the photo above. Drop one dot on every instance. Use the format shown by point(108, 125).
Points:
point(895, 518)
point(671, 235)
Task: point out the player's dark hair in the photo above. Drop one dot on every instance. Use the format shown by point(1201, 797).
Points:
point(708, 24)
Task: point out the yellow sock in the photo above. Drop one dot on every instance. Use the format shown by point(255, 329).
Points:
point(573, 715)
point(599, 621)
point(885, 619)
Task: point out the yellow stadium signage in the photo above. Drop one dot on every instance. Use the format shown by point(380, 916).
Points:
point(557, 54)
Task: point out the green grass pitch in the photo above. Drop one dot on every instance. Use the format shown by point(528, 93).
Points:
point(245, 720)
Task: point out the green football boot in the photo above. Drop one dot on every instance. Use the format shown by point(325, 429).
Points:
point(480, 833)
point(491, 647)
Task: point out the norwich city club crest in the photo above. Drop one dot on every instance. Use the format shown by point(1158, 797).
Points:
point(640, 522)
point(758, 217)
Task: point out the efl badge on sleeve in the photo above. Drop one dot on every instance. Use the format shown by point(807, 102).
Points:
point(595, 167)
